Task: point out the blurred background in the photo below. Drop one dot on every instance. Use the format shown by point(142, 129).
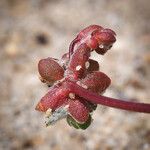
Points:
point(35, 29)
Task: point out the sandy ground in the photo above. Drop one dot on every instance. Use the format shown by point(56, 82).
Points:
point(35, 29)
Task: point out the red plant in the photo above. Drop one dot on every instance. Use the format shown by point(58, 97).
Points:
point(76, 82)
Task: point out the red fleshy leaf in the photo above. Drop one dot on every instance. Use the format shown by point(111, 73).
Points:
point(78, 110)
point(105, 39)
point(84, 36)
point(96, 81)
point(91, 42)
point(78, 60)
point(88, 30)
point(94, 36)
point(108, 31)
point(50, 70)
point(55, 98)
point(93, 65)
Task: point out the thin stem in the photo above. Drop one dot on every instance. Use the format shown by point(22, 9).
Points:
point(71, 47)
point(107, 101)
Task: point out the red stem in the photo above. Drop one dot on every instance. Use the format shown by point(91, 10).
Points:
point(71, 47)
point(107, 101)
